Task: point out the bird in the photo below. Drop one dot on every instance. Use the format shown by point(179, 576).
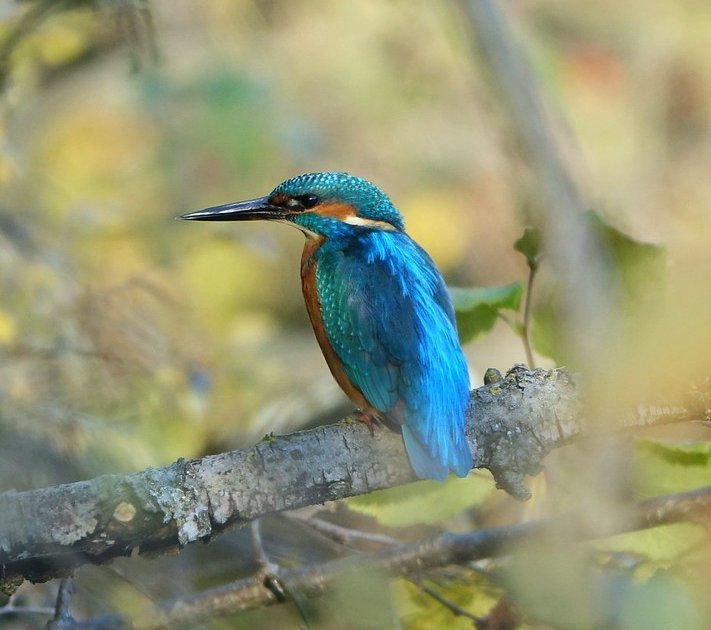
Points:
point(380, 311)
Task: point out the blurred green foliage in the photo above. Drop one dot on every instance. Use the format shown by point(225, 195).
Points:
point(477, 308)
point(664, 467)
point(557, 586)
point(423, 502)
point(634, 279)
point(529, 244)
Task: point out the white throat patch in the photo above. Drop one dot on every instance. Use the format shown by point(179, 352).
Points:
point(354, 220)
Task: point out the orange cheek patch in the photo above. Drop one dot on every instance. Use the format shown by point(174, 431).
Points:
point(339, 211)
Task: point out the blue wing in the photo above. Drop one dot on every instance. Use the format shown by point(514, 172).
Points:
point(388, 317)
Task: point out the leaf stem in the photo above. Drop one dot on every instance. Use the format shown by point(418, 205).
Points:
point(527, 317)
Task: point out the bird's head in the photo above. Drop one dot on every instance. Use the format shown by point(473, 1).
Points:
point(321, 204)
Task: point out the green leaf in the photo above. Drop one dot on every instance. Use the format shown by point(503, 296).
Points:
point(656, 604)
point(558, 586)
point(477, 308)
point(658, 468)
point(357, 599)
point(551, 584)
point(423, 502)
point(656, 548)
point(529, 244)
point(635, 275)
point(418, 610)
point(545, 332)
point(664, 467)
point(635, 269)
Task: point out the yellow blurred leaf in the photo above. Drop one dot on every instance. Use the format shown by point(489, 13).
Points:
point(113, 259)
point(433, 220)
point(8, 328)
point(421, 502)
point(92, 152)
point(63, 41)
point(222, 277)
point(666, 542)
point(419, 610)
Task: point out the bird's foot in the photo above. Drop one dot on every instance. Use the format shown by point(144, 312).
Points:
point(368, 418)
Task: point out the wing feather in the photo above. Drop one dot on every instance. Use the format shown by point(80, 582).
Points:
point(388, 317)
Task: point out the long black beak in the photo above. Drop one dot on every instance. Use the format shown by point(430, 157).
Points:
point(250, 210)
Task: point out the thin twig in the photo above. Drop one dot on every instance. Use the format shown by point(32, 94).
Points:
point(456, 610)
point(62, 615)
point(527, 314)
point(269, 573)
point(260, 553)
point(11, 608)
point(342, 535)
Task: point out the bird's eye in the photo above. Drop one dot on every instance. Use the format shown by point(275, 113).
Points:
point(309, 200)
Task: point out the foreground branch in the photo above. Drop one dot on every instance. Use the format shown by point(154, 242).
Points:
point(442, 550)
point(413, 559)
point(512, 424)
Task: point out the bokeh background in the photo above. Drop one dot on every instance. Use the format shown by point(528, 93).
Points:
point(128, 339)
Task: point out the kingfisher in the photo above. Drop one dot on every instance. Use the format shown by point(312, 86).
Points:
point(380, 311)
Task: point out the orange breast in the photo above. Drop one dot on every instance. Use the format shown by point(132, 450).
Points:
point(313, 307)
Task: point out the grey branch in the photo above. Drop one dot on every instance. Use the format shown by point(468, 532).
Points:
point(44, 533)
point(512, 424)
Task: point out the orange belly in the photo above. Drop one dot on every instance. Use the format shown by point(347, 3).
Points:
point(313, 308)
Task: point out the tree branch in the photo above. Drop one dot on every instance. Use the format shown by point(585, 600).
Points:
point(45, 533)
point(512, 424)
